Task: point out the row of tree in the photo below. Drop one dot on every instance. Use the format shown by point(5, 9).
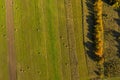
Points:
point(98, 28)
point(105, 68)
point(98, 35)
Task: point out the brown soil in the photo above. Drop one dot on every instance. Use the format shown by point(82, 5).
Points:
point(10, 36)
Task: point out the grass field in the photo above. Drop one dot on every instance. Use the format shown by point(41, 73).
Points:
point(44, 39)
point(48, 46)
point(52, 39)
point(4, 75)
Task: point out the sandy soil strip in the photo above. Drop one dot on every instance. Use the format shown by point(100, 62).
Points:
point(10, 36)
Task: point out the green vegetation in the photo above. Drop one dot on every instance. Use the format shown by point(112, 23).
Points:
point(30, 40)
point(66, 72)
point(3, 43)
point(42, 43)
point(49, 40)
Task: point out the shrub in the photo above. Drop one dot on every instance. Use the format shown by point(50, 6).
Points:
point(112, 68)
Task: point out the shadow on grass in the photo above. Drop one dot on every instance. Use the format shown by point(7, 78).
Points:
point(109, 2)
point(90, 35)
point(118, 20)
point(116, 34)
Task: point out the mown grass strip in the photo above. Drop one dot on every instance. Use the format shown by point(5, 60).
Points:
point(53, 44)
point(71, 41)
point(4, 75)
point(64, 40)
point(30, 40)
point(78, 30)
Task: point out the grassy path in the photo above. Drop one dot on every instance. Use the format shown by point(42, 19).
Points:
point(10, 37)
point(75, 36)
point(77, 6)
point(71, 41)
point(66, 71)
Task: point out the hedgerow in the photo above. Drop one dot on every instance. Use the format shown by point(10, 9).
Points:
point(98, 35)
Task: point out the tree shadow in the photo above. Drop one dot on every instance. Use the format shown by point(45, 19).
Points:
point(108, 2)
point(116, 34)
point(118, 20)
point(90, 35)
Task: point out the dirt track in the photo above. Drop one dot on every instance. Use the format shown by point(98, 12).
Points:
point(71, 41)
point(10, 38)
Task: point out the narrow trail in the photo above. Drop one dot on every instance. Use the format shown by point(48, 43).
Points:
point(10, 37)
point(71, 41)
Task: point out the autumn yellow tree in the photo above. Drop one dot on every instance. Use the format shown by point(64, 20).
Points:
point(98, 31)
point(98, 28)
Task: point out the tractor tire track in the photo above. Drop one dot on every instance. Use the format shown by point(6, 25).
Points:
point(10, 41)
point(71, 41)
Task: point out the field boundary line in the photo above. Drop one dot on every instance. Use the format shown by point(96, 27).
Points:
point(10, 40)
